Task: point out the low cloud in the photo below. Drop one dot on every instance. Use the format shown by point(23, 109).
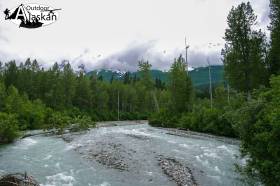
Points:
point(199, 58)
point(127, 59)
point(96, 45)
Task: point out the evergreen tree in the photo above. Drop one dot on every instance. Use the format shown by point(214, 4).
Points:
point(244, 53)
point(274, 55)
point(55, 94)
point(126, 78)
point(145, 74)
point(100, 78)
point(112, 78)
point(146, 87)
point(94, 91)
point(83, 92)
point(69, 84)
point(2, 95)
point(11, 74)
point(180, 87)
point(1, 70)
point(135, 79)
point(13, 101)
point(159, 84)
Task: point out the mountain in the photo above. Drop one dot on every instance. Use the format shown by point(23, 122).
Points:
point(200, 76)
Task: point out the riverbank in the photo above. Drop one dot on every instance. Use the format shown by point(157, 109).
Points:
point(170, 131)
point(119, 123)
point(199, 135)
point(99, 124)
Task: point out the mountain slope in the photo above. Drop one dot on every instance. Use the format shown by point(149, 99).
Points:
point(200, 76)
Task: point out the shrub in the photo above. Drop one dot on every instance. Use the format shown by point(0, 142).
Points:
point(164, 118)
point(58, 120)
point(8, 127)
point(81, 123)
point(204, 119)
point(259, 126)
point(36, 115)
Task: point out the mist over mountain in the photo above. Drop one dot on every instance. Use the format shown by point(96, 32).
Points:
point(127, 59)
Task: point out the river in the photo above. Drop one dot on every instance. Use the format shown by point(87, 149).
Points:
point(125, 155)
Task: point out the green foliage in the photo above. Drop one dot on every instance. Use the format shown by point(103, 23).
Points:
point(81, 123)
point(260, 133)
point(8, 127)
point(164, 118)
point(145, 74)
point(180, 87)
point(2, 94)
point(247, 67)
point(199, 76)
point(219, 120)
point(31, 115)
point(245, 50)
point(204, 119)
point(59, 98)
point(274, 55)
point(83, 93)
point(37, 96)
point(37, 115)
point(10, 74)
point(145, 87)
point(59, 121)
point(176, 100)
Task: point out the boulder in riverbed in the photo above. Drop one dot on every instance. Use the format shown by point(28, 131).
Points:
point(18, 179)
point(177, 172)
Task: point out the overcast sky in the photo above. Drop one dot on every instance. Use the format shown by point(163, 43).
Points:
point(114, 34)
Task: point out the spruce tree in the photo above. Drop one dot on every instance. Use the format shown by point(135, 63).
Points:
point(245, 49)
point(274, 54)
point(180, 87)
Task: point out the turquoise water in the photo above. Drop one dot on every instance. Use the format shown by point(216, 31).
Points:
point(53, 161)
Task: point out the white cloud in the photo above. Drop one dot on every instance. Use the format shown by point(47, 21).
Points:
point(113, 34)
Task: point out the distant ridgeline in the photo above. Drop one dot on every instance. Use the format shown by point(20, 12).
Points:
point(199, 76)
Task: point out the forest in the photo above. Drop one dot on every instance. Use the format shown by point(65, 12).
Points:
point(246, 106)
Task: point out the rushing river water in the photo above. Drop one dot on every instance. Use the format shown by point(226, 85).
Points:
point(123, 156)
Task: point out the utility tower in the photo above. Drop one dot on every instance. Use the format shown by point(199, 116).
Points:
point(210, 83)
point(118, 105)
point(228, 93)
point(187, 47)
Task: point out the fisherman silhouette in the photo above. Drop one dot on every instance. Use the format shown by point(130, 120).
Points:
point(7, 13)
